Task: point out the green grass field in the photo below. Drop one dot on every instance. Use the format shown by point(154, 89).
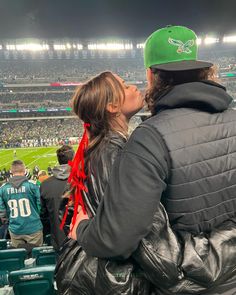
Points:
point(40, 156)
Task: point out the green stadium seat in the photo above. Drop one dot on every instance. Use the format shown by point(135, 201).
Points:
point(3, 279)
point(12, 259)
point(44, 255)
point(33, 281)
point(3, 244)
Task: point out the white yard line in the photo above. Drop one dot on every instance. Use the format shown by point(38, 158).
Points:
point(28, 165)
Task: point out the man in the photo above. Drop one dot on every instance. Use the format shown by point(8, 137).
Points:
point(42, 176)
point(51, 191)
point(184, 156)
point(20, 203)
point(14, 153)
point(35, 172)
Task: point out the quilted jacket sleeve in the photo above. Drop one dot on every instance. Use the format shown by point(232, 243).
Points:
point(131, 198)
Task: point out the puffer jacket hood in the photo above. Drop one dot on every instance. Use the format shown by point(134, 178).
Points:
point(16, 181)
point(204, 95)
point(61, 171)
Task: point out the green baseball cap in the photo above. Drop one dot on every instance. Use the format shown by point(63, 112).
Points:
point(173, 48)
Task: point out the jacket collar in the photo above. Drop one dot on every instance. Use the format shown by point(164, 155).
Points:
point(16, 181)
point(205, 95)
point(61, 171)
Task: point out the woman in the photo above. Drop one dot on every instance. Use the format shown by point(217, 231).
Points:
point(105, 104)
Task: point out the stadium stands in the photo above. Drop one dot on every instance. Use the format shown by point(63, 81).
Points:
point(33, 133)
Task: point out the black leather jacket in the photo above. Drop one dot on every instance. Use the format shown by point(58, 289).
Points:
point(75, 271)
point(162, 264)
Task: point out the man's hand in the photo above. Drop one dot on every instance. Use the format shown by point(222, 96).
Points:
point(80, 216)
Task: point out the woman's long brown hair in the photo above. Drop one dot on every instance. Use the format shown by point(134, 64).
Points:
point(90, 105)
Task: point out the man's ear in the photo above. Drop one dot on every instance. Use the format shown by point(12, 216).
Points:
point(150, 76)
point(112, 108)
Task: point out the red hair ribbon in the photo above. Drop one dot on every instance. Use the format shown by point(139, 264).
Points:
point(76, 179)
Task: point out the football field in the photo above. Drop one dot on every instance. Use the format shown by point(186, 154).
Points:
point(31, 156)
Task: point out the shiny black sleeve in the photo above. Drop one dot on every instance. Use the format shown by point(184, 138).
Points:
point(126, 212)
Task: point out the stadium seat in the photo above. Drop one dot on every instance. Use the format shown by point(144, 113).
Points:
point(12, 259)
point(44, 255)
point(3, 244)
point(33, 281)
point(3, 279)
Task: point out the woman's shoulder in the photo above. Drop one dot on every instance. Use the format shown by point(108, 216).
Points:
point(115, 140)
point(113, 144)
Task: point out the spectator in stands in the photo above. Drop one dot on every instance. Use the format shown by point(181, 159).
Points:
point(42, 175)
point(183, 155)
point(105, 104)
point(14, 153)
point(51, 191)
point(20, 203)
point(35, 172)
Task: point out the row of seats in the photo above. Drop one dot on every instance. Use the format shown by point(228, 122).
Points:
point(38, 279)
point(14, 259)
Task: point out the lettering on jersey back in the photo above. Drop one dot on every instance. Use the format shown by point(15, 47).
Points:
point(13, 190)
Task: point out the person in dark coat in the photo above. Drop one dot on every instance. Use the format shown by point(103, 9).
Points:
point(195, 179)
point(51, 191)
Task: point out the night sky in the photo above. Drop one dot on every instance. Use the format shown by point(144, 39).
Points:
point(112, 18)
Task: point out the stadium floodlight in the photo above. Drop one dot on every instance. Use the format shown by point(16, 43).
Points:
point(211, 40)
point(68, 46)
point(28, 47)
point(79, 46)
point(110, 46)
point(59, 47)
point(229, 39)
point(10, 47)
point(199, 41)
point(140, 45)
point(129, 46)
